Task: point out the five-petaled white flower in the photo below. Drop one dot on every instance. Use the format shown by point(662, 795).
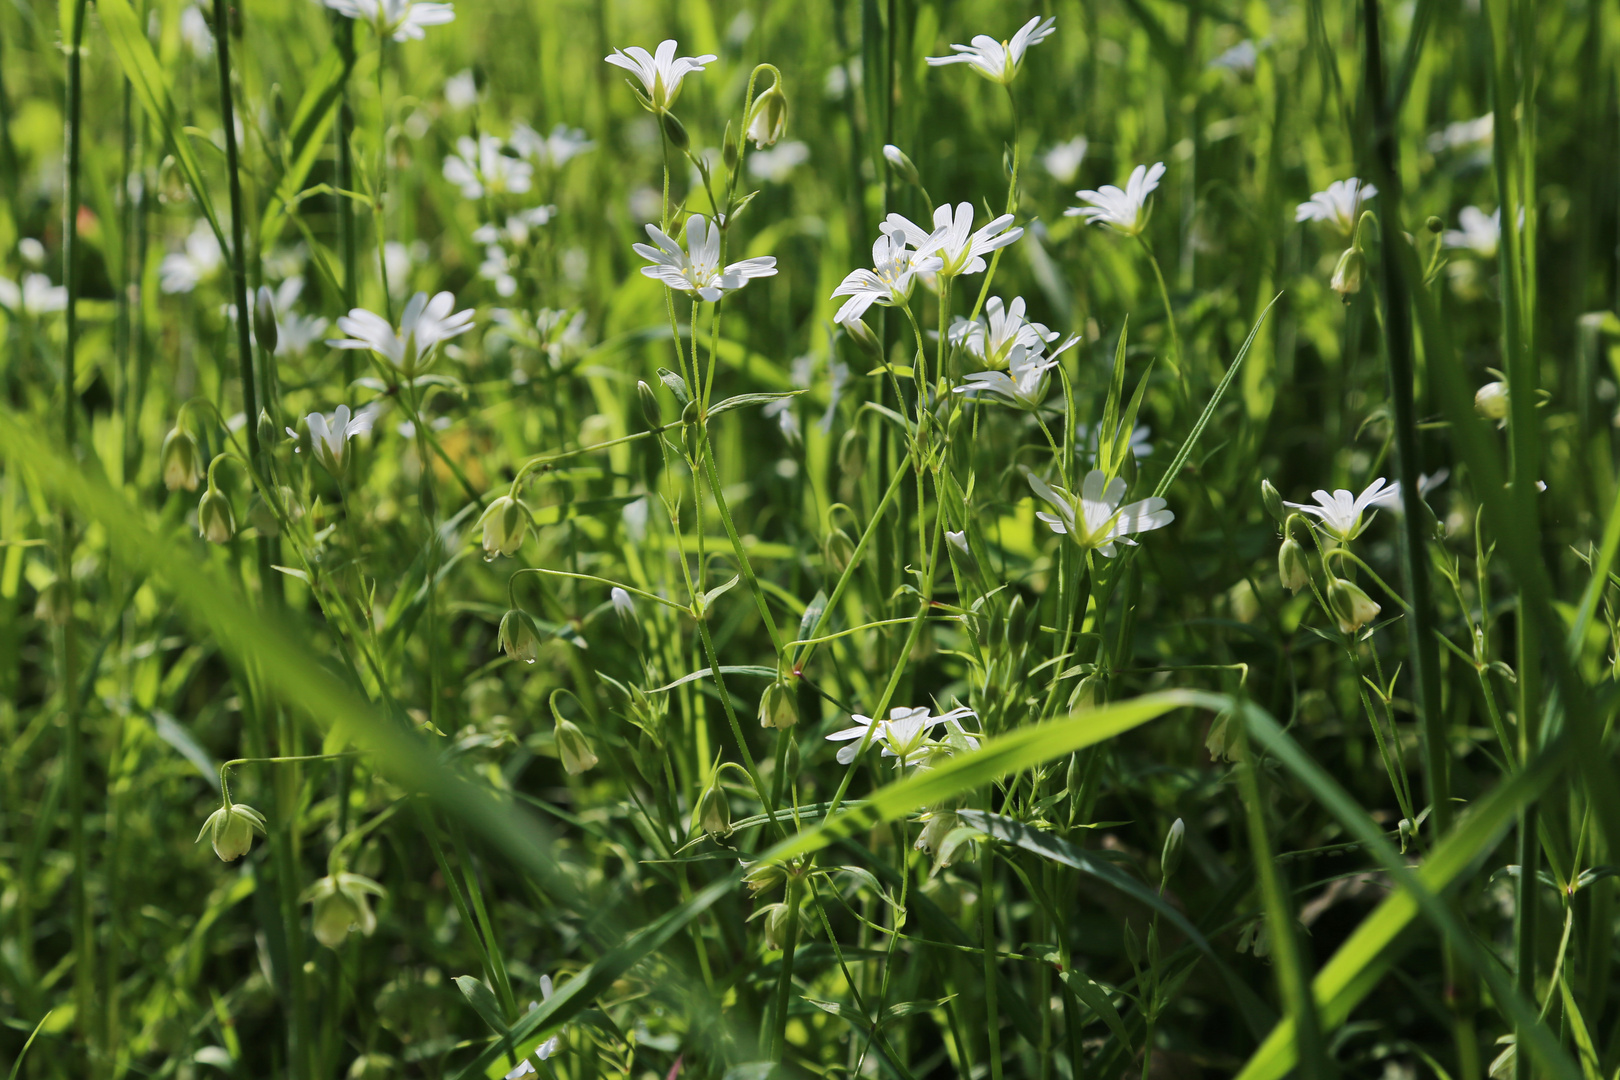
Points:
point(904, 735)
point(545, 1049)
point(1096, 520)
point(999, 61)
point(183, 271)
point(960, 249)
point(991, 338)
point(1480, 232)
point(424, 325)
point(696, 271)
point(483, 167)
point(1341, 512)
point(894, 272)
point(1339, 205)
point(401, 20)
point(660, 74)
point(329, 435)
point(554, 150)
point(36, 295)
point(1123, 211)
point(1023, 384)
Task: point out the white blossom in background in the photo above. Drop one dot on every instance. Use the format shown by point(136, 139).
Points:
point(1123, 211)
point(483, 167)
point(904, 735)
point(549, 1047)
point(554, 150)
point(294, 332)
point(1096, 521)
point(399, 260)
point(402, 20)
point(1063, 160)
point(696, 270)
point(182, 271)
point(1480, 233)
point(1463, 133)
point(1390, 498)
point(1341, 513)
point(35, 296)
point(779, 161)
point(960, 249)
point(998, 61)
point(33, 252)
point(518, 228)
point(1339, 205)
point(461, 90)
point(500, 268)
point(329, 435)
point(895, 267)
point(1240, 59)
point(424, 325)
point(661, 74)
point(196, 31)
point(1141, 444)
point(990, 339)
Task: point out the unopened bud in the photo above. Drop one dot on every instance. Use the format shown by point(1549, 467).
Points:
point(1170, 857)
point(901, 164)
point(628, 618)
point(674, 131)
point(777, 924)
point(1350, 605)
point(267, 431)
point(762, 877)
point(768, 121)
point(1348, 274)
point(215, 522)
point(1434, 224)
point(519, 638)
point(342, 904)
point(264, 319)
point(1491, 401)
point(1292, 567)
point(778, 707)
point(864, 339)
point(728, 149)
point(505, 525)
point(1272, 500)
point(840, 549)
point(852, 453)
point(650, 410)
point(574, 749)
point(182, 465)
point(231, 830)
point(714, 812)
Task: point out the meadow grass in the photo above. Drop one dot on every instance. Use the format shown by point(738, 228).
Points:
point(751, 559)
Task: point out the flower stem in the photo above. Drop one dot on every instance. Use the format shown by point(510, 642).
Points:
point(1169, 318)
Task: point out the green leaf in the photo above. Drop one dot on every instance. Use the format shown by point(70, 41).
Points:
point(740, 669)
point(482, 998)
point(305, 137)
point(1096, 999)
point(741, 401)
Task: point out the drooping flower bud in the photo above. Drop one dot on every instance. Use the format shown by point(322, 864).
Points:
point(264, 319)
point(936, 827)
point(215, 522)
point(574, 749)
point(182, 465)
point(650, 410)
point(335, 916)
point(840, 549)
point(268, 433)
point(519, 638)
point(901, 163)
point(1170, 857)
point(1491, 401)
point(1272, 500)
point(714, 812)
point(1350, 605)
point(505, 525)
point(864, 339)
point(231, 829)
point(342, 904)
point(1292, 567)
point(777, 706)
point(1348, 274)
point(763, 877)
point(777, 925)
point(628, 617)
point(768, 120)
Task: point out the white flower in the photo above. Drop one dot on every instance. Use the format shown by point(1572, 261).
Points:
point(660, 75)
point(183, 271)
point(36, 296)
point(1479, 234)
point(960, 250)
point(545, 1049)
point(1096, 520)
point(893, 275)
point(903, 735)
point(518, 227)
point(401, 20)
point(699, 273)
point(32, 251)
point(1124, 211)
point(482, 167)
point(1141, 444)
point(1023, 384)
point(398, 260)
point(1390, 498)
point(1462, 133)
point(294, 332)
point(776, 163)
point(1063, 160)
point(1339, 205)
point(1239, 59)
point(998, 61)
point(554, 150)
point(498, 267)
point(992, 338)
point(461, 90)
point(423, 326)
point(1340, 513)
point(329, 436)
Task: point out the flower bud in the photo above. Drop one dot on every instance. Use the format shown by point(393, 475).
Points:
point(650, 410)
point(628, 618)
point(1348, 274)
point(264, 319)
point(519, 638)
point(1434, 224)
point(1272, 500)
point(674, 131)
point(901, 164)
point(1491, 401)
point(1350, 605)
point(1170, 857)
point(336, 913)
point(714, 812)
point(763, 877)
point(852, 453)
point(768, 120)
point(729, 153)
point(1292, 567)
point(864, 339)
point(840, 549)
point(936, 828)
point(231, 829)
point(215, 522)
point(268, 433)
point(505, 525)
point(182, 465)
point(574, 749)
point(776, 924)
point(778, 707)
